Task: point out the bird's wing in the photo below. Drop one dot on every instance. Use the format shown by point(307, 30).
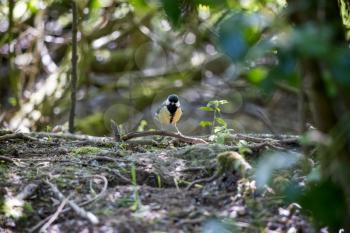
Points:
point(158, 110)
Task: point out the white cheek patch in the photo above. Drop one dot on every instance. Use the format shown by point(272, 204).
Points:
point(178, 104)
point(167, 102)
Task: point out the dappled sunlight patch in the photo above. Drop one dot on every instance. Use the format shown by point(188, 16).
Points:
point(13, 207)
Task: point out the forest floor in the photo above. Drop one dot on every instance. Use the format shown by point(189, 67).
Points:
point(66, 183)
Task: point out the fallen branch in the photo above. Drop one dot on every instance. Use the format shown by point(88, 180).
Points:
point(181, 137)
point(70, 136)
point(17, 136)
point(78, 210)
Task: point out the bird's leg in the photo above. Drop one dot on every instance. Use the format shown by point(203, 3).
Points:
point(178, 131)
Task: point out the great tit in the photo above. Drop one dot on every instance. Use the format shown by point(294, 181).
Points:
point(169, 112)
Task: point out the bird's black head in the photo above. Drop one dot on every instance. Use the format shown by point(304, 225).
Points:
point(173, 99)
point(172, 103)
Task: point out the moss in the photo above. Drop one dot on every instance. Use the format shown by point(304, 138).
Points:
point(86, 150)
point(232, 161)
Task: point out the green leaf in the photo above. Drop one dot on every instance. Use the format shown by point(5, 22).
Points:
point(236, 41)
point(139, 4)
point(257, 75)
point(206, 108)
point(133, 174)
point(218, 129)
point(327, 203)
point(221, 121)
point(220, 139)
point(213, 104)
point(94, 5)
point(221, 102)
point(173, 10)
point(205, 123)
point(218, 4)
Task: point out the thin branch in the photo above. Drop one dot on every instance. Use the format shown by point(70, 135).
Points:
point(78, 210)
point(204, 180)
point(6, 159)
point(55, 215)
point(74, 67)
point(116, 131)
point(181, 137)
point(98, 196)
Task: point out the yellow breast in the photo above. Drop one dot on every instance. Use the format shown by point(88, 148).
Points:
point(165, 117)
point(176, 116)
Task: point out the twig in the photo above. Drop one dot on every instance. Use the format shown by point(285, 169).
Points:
point(6, 159)
point(204, 180)
point(74, 66)
point(98, 196)
point(55, 215)
point(17, 136)
point(72, 136)
point(181, 137)
point(78, 210)
point(116, 131)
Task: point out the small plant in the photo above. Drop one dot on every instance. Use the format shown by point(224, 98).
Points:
point(218, 125)
point(137, 202)
point(142, 126)
point(159, 181)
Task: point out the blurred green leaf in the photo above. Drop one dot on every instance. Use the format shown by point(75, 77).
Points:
point(257, 75)
point(33, 5)
point(218, 4)
point(236, 41)
point(271, 162)
point(206, 108)
point(327, 204)
point(12, 101)
point(312, 40)
point(139, 4)
point(340, 67)
point(94, 4)
point(173, 10)
point(221, 121)
point(221, 102)
point(205, 123)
